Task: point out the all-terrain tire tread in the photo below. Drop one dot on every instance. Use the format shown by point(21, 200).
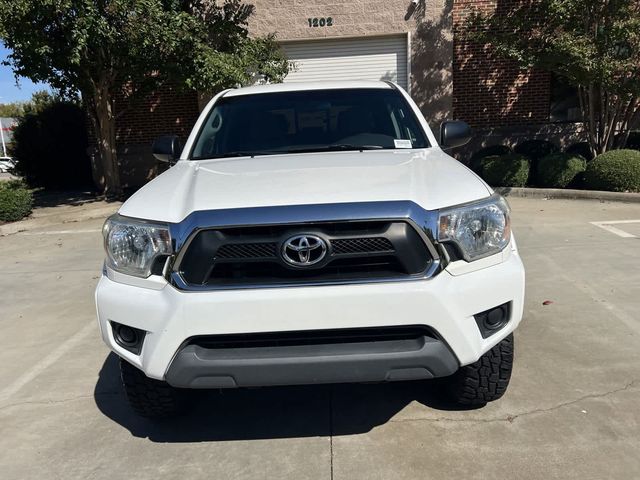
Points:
point(485, 380)
point(148, 397)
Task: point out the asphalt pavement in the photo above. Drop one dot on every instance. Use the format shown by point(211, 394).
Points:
point(572, 410)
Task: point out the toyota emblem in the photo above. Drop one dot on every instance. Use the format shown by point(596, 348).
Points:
point(304, 250)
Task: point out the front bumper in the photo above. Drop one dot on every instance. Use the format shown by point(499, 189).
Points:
point(446, 304)
point(352, 360)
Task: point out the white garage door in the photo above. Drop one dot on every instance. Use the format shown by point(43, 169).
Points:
point(378, 58)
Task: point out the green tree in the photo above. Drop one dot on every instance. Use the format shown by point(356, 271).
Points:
point(106, 48)
point(42, 99)
point(593, 44)
point(13, 109)
point(39, 101)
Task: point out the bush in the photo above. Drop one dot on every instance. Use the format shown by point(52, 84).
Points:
point(581, 148)
point(491, 151)
point(506, 170)
point(559, 169)
point(615, 171)
point(16, 201)
point(50, 147)
point(535, 149)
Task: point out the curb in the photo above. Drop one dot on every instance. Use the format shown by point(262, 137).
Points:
point(49, 220)
point(567, 194)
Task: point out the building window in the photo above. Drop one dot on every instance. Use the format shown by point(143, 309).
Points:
point(565, 104)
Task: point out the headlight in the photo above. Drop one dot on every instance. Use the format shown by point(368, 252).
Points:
point(133, 245)
point(479, 229)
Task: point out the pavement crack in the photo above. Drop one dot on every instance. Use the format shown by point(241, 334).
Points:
point(512, 417)
point(56, 401)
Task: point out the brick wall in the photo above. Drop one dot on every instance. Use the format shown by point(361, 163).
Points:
point(166, 111)
point(490, 91)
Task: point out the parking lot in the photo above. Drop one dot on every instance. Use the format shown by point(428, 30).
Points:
point(572, 411)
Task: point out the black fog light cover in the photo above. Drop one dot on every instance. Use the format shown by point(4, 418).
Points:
point(128, 337)
point(492, 320)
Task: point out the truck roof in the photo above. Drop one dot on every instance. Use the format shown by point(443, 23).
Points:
point(306, 86)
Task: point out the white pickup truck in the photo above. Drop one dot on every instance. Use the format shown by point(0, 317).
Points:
point(307, 234)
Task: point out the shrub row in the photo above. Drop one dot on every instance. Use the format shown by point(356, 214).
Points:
point(510, 170)
point(16, 201)
point(615, 171)
point(539, 163)
point(560, 170)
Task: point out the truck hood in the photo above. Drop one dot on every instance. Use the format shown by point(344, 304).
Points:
point(427, 177)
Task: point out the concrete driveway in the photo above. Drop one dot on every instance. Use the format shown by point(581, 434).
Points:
point(572, 412)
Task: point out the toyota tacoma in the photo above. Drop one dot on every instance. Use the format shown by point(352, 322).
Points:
point(309, 234)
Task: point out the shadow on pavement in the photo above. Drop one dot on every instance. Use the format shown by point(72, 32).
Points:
point(267, 413)
point(44, 198)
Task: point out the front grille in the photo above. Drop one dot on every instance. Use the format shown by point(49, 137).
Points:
point(355, 251)
point(247, 250)
point(361, 245)
point(339, 247)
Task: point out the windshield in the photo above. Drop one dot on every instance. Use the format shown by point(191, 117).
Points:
point(308, 121)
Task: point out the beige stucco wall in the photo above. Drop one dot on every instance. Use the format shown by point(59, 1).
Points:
point(428, 26)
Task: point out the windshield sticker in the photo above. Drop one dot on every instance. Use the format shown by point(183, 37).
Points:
point(402, 143)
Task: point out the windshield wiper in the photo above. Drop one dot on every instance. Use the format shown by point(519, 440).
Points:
point(244, 153)
point(336, 147)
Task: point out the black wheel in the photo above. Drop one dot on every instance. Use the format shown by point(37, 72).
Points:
point(485, 380)
point(149, 397)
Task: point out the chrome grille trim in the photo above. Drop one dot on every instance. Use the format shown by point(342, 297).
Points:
point(425, 222)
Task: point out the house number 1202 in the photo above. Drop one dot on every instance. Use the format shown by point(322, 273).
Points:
point(320, 22)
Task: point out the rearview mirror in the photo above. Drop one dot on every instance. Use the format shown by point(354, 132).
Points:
point(167, 149)
point(454, 134)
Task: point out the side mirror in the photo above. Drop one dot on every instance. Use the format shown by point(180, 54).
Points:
point(167, 149)
point(454, 134)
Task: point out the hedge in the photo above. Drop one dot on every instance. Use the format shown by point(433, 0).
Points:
point(490, 151)
point(16, 201)
point(558, 170)
point(505, 170)
point(615, 171)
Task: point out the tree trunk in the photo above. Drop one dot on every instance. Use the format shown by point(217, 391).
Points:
point(608, 118)
point(630, 121)
point(105, 130)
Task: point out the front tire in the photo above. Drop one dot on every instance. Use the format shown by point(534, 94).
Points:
point(485, 380)
point(149, 397)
